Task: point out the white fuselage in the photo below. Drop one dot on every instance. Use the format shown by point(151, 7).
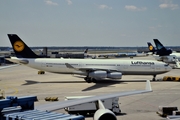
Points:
point(126, 67)
point(169, 58)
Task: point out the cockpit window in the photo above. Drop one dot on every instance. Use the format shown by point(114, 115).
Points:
point(166, 65)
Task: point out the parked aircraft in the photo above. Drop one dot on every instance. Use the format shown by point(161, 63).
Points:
point(160, 49)
point(151, 48)
point(177, 66)
point(93, 69)
point(121, 55)
point(102, 113)
point(86, 55)
point(162, 53)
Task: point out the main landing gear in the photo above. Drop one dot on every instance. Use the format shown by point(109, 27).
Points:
point(154, 78)
point(89, 80)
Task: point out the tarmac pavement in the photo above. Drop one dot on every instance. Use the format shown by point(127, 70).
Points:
point(24, 81)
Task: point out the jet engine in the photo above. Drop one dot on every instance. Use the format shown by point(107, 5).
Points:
point(104, 114)
point(98, 74)
point(104, 74)
point(114, 75)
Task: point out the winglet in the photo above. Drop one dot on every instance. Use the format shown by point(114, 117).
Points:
point(148, 85)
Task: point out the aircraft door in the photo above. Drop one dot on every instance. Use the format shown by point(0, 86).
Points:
point(121, 67)
point(118, 67)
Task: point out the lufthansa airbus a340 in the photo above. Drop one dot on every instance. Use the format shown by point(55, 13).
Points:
point(92, 69)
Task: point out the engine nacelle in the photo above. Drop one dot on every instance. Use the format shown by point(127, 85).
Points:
point(114, 75)
point(104, 114)
point(98, 74)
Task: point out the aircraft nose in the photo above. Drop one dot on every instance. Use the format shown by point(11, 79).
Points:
point(168, 68)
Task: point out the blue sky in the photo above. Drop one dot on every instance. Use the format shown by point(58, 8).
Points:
point(119, 23)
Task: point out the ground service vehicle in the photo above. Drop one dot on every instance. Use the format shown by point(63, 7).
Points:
point(91, 107)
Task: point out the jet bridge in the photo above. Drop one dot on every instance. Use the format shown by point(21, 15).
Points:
point(22, 108)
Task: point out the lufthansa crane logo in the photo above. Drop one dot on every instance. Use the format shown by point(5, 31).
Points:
point(151, 47)
point(18, 46)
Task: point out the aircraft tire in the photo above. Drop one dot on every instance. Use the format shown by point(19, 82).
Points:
point(94, 80)
point(88, 80)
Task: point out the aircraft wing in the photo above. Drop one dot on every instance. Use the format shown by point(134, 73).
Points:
point(59, 105)
point(86, 69)
point(17, 60)
point(8, 66)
